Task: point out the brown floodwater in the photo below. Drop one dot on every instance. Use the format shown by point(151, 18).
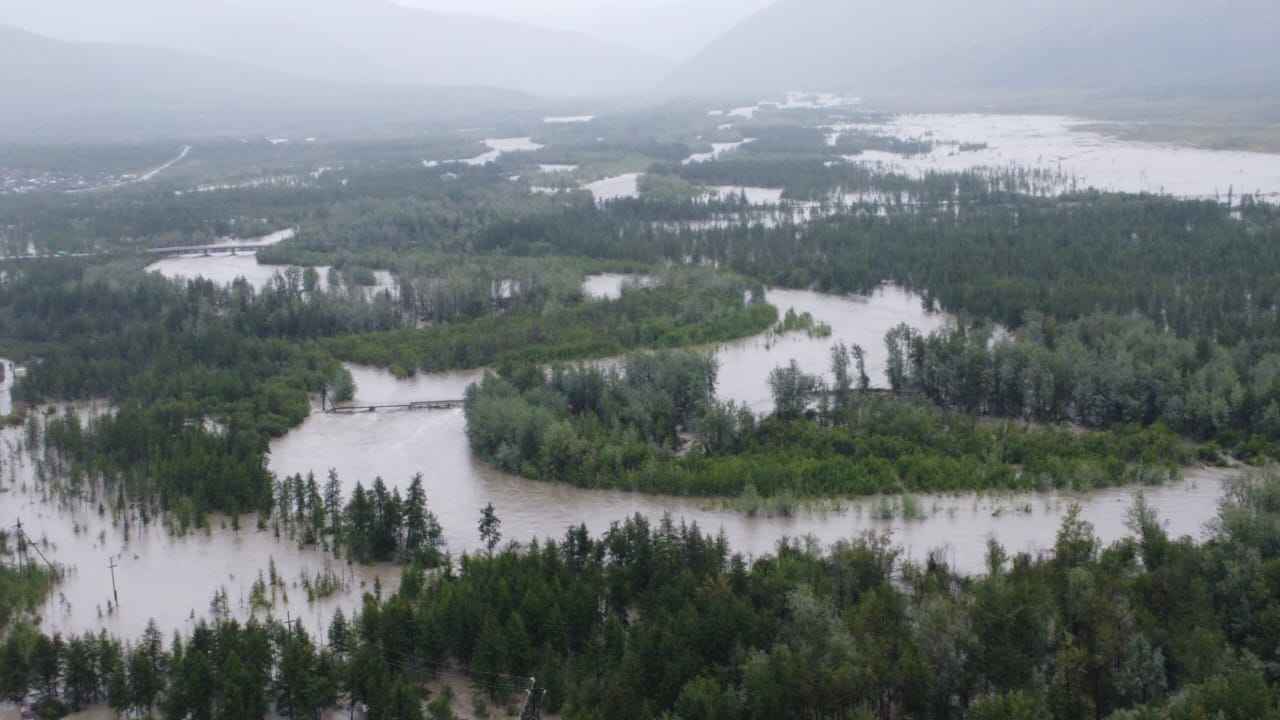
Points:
point(225, 269)
point(173, 578)
point(397, 445)
point(6, 387)
point(160, 575)
point(609, 286)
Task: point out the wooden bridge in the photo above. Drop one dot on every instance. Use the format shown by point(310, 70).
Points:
point(346, 409)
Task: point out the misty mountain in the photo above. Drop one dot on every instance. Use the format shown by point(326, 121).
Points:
point(353, 41)
point(938, 47)
point(56, 90)
point(671, 29)
point(677, 30)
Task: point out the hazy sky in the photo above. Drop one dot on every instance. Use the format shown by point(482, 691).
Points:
point(544, 9)
point(670, 28)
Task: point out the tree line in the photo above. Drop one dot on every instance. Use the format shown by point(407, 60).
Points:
point(203, 377)
point(372, 525)
point(658, 619)
point(1100, 371)
point(684, 307)
point(654, 424)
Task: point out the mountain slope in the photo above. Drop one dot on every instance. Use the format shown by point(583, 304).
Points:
point(353, 41)
point(938, 46)
point(56, 90)
point(675, 30)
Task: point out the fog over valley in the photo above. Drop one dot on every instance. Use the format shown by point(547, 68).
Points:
point(371, 53)
point(639, 360)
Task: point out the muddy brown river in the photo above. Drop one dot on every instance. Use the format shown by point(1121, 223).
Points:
point(172, 579)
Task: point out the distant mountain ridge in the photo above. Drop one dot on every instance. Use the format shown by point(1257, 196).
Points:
point(671, 29)
point(361, 42)
point(56, 90)
point(1007, 46)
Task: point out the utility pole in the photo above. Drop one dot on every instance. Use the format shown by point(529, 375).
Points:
point(24, 542)
point(532, 709)
point(114, 591)
point(22, 546)
point(290, 623)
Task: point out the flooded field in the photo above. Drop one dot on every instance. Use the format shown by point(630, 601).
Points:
point(854, 320)
point(717, 150)
point(614, 188)
point(225, 269)
point(6, 386)
point(171, 578)
point(1074, 155)
point(160, 573)
point(628, 186)
point(608, 286)
point(497, 147)
point(754, 195)
point(1059, 144)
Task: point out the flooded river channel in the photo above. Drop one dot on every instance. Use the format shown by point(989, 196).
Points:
point(395, 446)
point(173, 578)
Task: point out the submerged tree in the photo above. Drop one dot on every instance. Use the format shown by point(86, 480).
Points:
point(490, 527)
point(793, 390)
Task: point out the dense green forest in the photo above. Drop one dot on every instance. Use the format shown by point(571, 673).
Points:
point(687, 307)
point(173, 356)
point(987, 247)
point(23, 584)
point(655, 425)
point(662, 620)
point(1101, 339)
point(1100, 370)
point(1201, 277)
point(373, 525)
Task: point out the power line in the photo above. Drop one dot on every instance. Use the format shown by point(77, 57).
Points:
point(114, 591)
point(25, 542)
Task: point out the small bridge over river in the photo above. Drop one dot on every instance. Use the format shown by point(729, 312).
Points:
point(205, 250)
point(346, 409)
point(351, 408)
